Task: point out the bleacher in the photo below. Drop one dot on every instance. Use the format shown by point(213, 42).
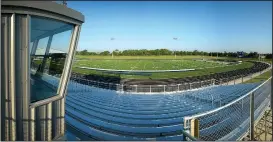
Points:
point(101, 114)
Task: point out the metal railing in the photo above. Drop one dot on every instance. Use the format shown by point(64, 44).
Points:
point(145, 88)
point(148, 89)
point(231, 121)
point(188, 137)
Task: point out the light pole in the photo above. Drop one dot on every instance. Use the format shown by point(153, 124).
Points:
point(175, 38)
point(113, 50)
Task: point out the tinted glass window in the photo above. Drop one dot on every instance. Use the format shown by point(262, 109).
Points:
point(50, 41)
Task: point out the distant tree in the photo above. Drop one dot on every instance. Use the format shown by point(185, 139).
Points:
point(105, 53)
point(268, 56)
point(84, 52)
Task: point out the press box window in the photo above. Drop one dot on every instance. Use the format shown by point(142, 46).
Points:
point(49, 41)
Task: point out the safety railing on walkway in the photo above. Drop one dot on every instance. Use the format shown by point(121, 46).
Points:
point(145, 88)
point(231, 121)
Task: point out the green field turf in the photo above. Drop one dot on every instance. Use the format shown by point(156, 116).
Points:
point(144, 57)
point(165, 63)
point(163, 57)
point(147, 64)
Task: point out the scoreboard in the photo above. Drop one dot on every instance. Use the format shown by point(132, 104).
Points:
point(240, 54)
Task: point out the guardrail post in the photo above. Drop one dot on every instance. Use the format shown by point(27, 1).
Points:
point(211, 100)
point(136, 88)
point(251, 131)
point(150, 89)
point(213, 81)
point(178, 87)
point(194, 128)
point(242, 108)
point(164, 88)
point(121, 87)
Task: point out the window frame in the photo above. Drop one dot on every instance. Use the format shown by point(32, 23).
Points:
point(62, 85)
point(61, 91)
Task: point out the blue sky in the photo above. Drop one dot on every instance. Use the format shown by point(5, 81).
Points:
point(205, 26)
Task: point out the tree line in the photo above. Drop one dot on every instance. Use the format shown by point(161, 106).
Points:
point(159, 52)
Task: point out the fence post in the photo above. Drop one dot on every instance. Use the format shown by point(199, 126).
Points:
point(195, 128)
point(251, 131)
point(213, 81)
point(211, 100)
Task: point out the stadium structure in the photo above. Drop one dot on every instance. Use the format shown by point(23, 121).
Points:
point(42, 100)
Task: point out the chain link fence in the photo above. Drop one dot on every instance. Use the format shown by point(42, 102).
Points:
point(232, 120)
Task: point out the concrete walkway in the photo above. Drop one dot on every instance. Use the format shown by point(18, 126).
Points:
point(246, 78)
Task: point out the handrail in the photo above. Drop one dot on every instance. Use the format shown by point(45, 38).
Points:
point(189, 136)
point(229, 104)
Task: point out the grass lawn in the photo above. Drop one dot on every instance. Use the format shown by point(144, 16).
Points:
point(145, 57)
point(158, 63)
point(261, 77)
point(146, 64)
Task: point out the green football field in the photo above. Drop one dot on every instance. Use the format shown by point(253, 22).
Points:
point(146, 64)
point(153, 63)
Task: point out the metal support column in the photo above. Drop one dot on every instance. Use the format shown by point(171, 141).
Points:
point(49, 122)
point(5, 53)
point(41, 123)
point(12, 109)
point(22, 79)
point(46, 53)
point(251, 117)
